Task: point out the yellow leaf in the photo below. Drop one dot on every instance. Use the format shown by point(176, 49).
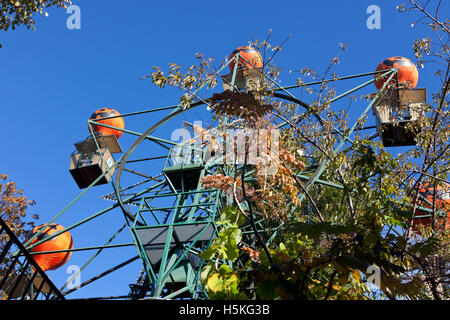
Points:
point(336, 287)
point(357, 275)
point(215, 283)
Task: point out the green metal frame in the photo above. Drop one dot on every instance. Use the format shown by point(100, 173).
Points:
point(196, 207)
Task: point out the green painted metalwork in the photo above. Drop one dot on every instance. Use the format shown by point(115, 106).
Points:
point(174, 219)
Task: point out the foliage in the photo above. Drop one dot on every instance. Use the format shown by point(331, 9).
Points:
point(14, 206)
point(15, 13)
point(294, 235)
point(13, 211)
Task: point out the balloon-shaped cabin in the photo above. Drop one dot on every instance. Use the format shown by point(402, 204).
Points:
point(250, 58)
point(248, 72)
point(431, 196)
point(63, 241)
point(93, 163)
point(407, 75)
point(400, 105)
point(116, 122)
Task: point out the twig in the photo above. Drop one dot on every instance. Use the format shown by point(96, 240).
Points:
point(430, 16)
point(330, 285)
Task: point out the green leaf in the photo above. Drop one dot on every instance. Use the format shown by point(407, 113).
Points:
point(395, 221)
point(206, 272)
point(232, 215)
point(231, 252)
point(224, 269)
point(211, 252)
point(315, 230)
point(266, 289)
point(426, 248)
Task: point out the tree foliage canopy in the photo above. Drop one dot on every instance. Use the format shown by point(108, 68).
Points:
point(16, 13)
point(328, 234)
point(14, 212)
point(14, 206)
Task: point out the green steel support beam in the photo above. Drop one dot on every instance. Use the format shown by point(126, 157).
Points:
point(154, 139)
point(90, 217)
point(85, 248)
point(332, 80)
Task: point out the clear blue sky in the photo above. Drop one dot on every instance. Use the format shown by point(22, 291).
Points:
point(53, 79)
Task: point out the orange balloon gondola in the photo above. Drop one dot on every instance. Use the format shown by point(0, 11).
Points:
point(63, 241)
point(117, 122)
point(441, 199)
point(250, 58)
point(407, 75)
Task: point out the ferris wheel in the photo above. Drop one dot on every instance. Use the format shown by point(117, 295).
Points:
point(158, 194)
